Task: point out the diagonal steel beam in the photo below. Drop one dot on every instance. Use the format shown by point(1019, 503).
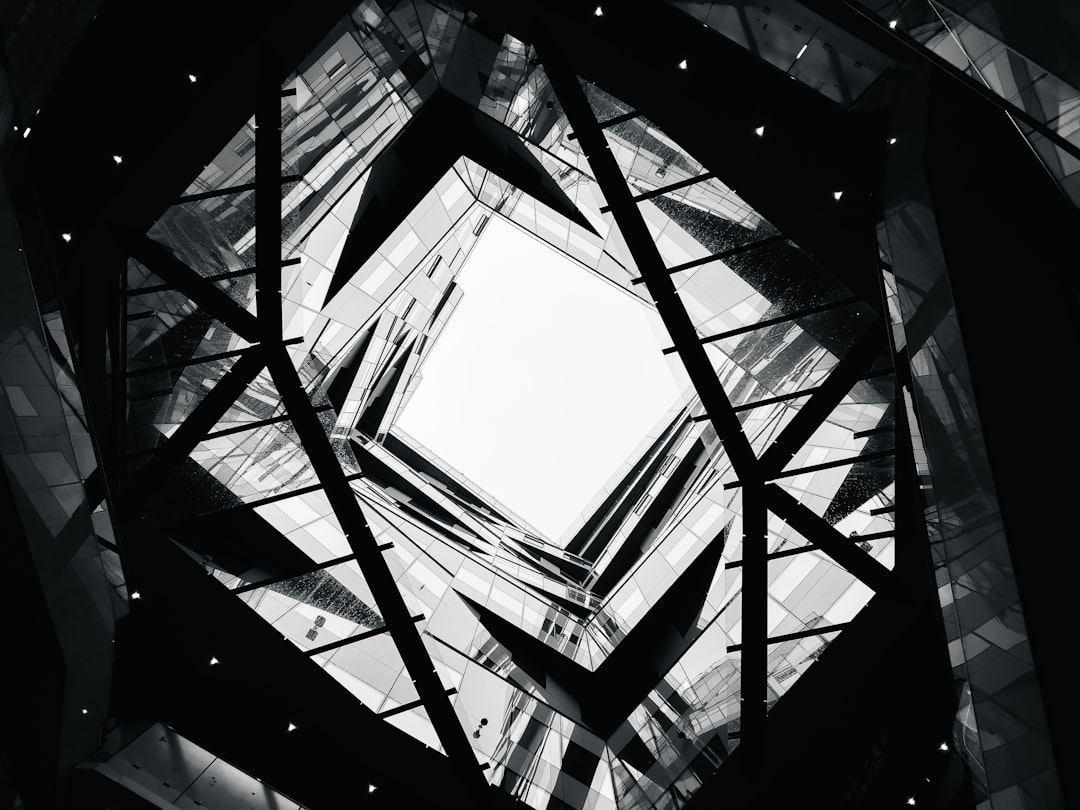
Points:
point(197, 425)
point(309, 429)
point(268, 235)
point(912, 538)
point(650, 264)
point(723, 254)
point(825, 465)
point(658, 192)
point(813, 631)
point(821, 534)
point(825, 398)
point(755, 625)
point(368, 554)
point(202, 291)
point(311, 569)
point(767, 322)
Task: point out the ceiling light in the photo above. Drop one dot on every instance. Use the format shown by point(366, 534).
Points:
point(134, 594)
point(682, 65)
point(192, 78)
point(599, 12)
point(802, 50)
point(292, 727)
point(892, 24)
point(943, 747)
point(26, 132)
point(117, 159)
point(759, 131)
point(370, 788)
point(67, 238)
point(836, 195)
point(213, 661)
point(892, 141)
point(911, 801)
point(85, 711)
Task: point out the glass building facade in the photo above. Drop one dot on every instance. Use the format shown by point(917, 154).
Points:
point(203, 377)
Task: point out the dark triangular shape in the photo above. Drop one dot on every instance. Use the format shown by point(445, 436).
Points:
point(444, 130)
point(604, 698)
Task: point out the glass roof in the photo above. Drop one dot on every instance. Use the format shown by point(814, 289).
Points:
point(541, 365)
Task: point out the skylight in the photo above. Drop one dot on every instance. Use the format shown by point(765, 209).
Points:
point(545, 379)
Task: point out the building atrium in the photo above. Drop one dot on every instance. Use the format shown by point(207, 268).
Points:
point(463, 403)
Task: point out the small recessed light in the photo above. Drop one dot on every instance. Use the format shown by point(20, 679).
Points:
point(836, 195)
point(292, 727)
point(682, 65)
point(370, 788)
point(893, 24)
point(802, 50)
point(911, 800)
point(759, 131)
point(134, 594)
point(892, 141)
point(213, 661)
point(943, 747)
point(85, 711)
point(599, 12)
point(117, 159)
point(191, 77)
point(67, 238)
point(26, 132)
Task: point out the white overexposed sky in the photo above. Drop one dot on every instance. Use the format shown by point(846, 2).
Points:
point(545, 379)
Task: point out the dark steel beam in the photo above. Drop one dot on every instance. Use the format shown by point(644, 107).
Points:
point(263, 583)
point(817, 531)
point(650, 264)
point(825, 465)
point(221, 192)
point(761, 403)
point(794, 316)
point(344, 642)
point(755, 604)
point(198, 423)
point(280, 496)
point(383, 587)
point(243, 271)
point(812, 415)
point(610, 122)
point(268, 181)
point(791, 552)
point(620, 119)
point(230, 431)
point(259, 423)
point(880, 429)
point(160, 260)
point(416, 704)
point(198, 360)
point(912, 538)
point(813, 631)
point(657, 192)
point(723, 254)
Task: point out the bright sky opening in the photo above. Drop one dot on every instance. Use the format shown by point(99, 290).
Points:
point(545, 379)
